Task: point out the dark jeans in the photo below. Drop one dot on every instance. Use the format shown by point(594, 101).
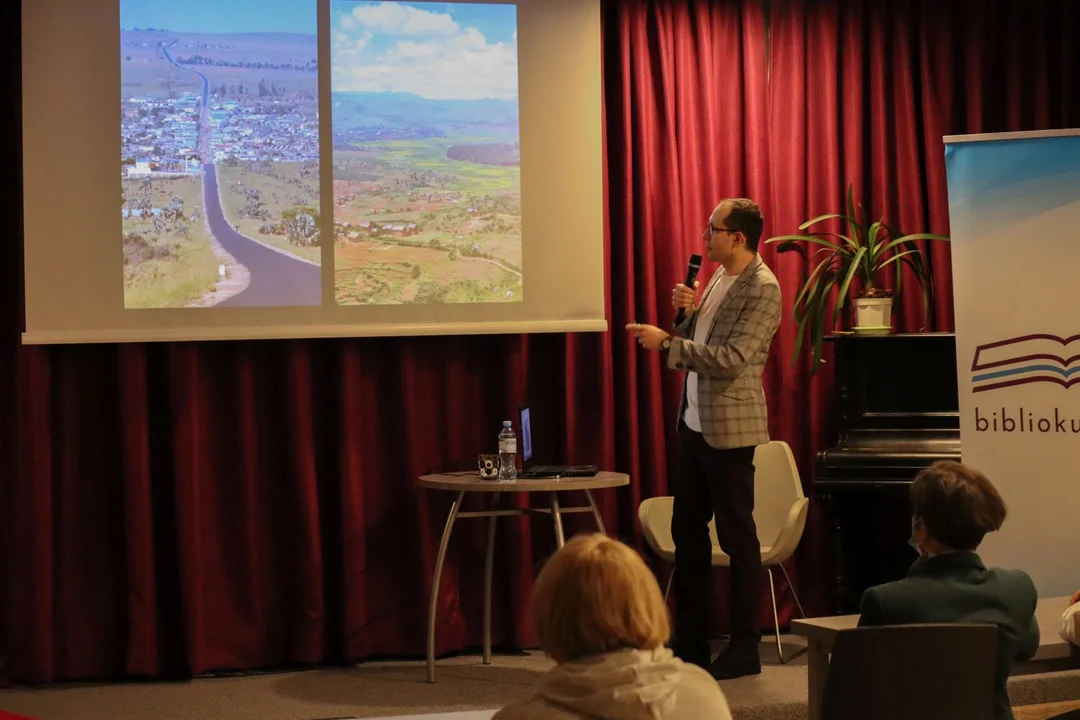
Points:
point(707, 482)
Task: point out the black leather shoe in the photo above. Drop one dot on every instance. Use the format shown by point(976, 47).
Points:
point(736, 661)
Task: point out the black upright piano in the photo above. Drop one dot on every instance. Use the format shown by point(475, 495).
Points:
point(897, 412)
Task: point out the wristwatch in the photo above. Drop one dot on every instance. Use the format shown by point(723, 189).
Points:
point(666, 344)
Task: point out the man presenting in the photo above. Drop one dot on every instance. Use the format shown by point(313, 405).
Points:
point(722, 418)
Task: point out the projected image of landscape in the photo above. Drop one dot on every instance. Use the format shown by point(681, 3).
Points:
point(220, 150)
point(427, 174)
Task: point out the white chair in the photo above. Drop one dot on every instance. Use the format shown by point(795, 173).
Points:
point(780, 510)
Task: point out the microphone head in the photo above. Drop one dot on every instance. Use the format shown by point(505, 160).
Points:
point(695, 260)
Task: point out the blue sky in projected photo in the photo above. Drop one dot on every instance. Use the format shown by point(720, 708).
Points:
point(220, 16)
point(460, 51)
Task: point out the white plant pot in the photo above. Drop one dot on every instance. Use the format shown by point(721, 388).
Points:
point(873, 314)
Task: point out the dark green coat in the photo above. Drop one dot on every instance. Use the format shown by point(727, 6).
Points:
point(958, 588)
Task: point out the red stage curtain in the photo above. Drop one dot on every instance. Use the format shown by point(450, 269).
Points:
point(181, 508)
point(862, 92)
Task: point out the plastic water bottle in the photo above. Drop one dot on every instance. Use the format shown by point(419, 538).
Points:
point(507, 453)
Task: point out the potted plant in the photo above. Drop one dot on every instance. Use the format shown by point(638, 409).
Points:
point(863, 252)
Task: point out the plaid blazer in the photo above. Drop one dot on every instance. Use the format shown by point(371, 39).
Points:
point(729, 364)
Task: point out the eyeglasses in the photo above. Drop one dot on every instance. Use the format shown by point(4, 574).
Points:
point(713, 228)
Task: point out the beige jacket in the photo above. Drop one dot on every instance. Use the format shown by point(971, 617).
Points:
point(1070, 624)
point(623, 685)
point(730, 363)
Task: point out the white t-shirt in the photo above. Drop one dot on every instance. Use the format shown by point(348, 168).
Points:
point(706, 313)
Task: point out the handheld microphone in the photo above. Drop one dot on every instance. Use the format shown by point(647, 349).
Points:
point(692, 269)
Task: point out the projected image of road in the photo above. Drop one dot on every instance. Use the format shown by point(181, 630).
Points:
point(427, 168)
point(220, 153)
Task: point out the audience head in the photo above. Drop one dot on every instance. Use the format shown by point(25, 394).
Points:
point(596, 595)
point(953, 507)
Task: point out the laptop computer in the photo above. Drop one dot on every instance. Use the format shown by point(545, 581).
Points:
point(530, 470)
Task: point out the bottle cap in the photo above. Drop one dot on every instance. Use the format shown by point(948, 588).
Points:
point(506, 423)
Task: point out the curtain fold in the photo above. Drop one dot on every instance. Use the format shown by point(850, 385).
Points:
point(181, 508)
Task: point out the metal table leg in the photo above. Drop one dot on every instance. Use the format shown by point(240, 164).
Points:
point(596, 513)
point(556, 516)
point(489, 568)
point(433, 604)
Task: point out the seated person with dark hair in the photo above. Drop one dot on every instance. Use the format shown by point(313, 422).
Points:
point(953, 507)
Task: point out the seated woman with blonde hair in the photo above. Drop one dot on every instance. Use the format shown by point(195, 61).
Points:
point(599, 614)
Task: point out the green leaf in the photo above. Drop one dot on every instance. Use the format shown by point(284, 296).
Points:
point(853, 221)
point(899, 280)
point(926, 283)
point(803, 238)
point(872, 244)
point(845, 238)
point(920, 273)
point(898, 256)
point(800, 333)
point(818, 325)
point(910, 238)
point(813, 280)
point(791, 246)
point(820, 218)
point(918, 260)
point(842, 296)
point(926, 236)
point(808, 305)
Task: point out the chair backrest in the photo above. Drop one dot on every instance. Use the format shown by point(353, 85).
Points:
point(898, 672)
point(777, 494)
point(654, 514)
point(777, 489)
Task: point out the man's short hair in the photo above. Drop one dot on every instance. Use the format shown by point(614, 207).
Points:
point(745, 216)
point(957, 504)
point(597, 595)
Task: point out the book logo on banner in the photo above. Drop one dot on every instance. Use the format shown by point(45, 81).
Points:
point(1036, 359)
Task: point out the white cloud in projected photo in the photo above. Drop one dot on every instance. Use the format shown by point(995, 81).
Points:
point(439, 51)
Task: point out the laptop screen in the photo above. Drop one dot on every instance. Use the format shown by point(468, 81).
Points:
point(526, 437)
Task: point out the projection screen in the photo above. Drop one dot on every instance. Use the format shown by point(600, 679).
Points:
point(244, 169)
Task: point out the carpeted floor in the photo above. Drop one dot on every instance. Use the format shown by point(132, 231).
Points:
point(370, 690)
point(365, 691)
point(375, 690)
